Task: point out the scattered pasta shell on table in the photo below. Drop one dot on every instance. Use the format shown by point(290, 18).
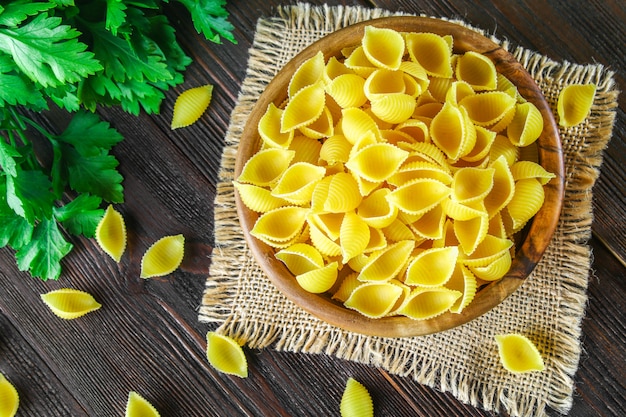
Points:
point(356, 400)
point(137, 406)
point(9, 398)
point(163, 257)
point(574, 103)
point(518, 354)
point(226, 355)
point(69, 303)
point(111, 233)
point(190, 105)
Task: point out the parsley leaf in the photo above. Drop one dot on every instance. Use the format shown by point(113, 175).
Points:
point(211, 19)
point(81, 216)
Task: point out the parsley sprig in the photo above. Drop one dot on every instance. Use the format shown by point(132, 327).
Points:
point(78, 55)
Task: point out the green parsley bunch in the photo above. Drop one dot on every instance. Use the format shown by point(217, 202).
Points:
point(78, 54)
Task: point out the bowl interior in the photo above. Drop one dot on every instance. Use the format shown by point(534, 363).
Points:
point(532, 241)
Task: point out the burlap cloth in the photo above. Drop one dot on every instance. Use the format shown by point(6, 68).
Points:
point(464, 361)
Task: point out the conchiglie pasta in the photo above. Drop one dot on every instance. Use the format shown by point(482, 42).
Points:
point(518, 354)
point(426, 303)
point(347, 90)
point(574, 103)
point(138, 406)
point(387, 263)
point(163, 257)
point(111, 233)
point(269, 128)
point(266, 166)
point(356, 400)
point(297, 183)
point(432, 267)
point(374, 299)
point(226, 355)
point(477, 70)
point(319, 280)
point(308, 73)
point(377, 162)
point(258, 199)
point(354, 236)
point(383, 47)
point(526, 126)
point(526, 202)
point(9, 398)
point(280, 225)
point(305, 107)
point(432, 52)
point(68, 303)
point(300, 258)
point(190, 105)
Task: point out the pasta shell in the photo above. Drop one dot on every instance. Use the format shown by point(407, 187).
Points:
point(137, 406)
point(452, 131)
point(374, 299)
point(327, 246)
point(358, 62)
point(439, 87)
point(426, 303)
point(378, 241)
point(9, 398)
point(394, 108)
point(503, 187)
point(398, 230)
point(266, 166)
point(358, 262)
point(495, 270)
point(354, 236)
point(297, 183)
point(382, 82)
point(347, 90)
point(419, 170)
point(111, 233)
point(226, 355)
point(383, 47)
point(490, 249)
point(472, 232)
point(502, 146)
point(464, 281)
point(335, 68)
point(412, 87)
point(306, 150)
point(526, 202)
point(477, 70)
point(343, 194)
point(529, 169)
point(417, 72)
point(163, 257)
point(431, 193)
point(356, 400)
point(69, 303)
point(386, 264)
point(472, 184)
point(518, 354)
point(432, 52)
point(430, 225)
point(482, 146)
point(377, 162)
point(335, 149)
point(305, 107)
point(269, 128)
point(319, 280)
point(356, 124)
point(308, 73)
point(280, 225)
point(329, 223)
point(375, 209)
point(320, 128)
point(487, 108)
point(526, 126)
point(257, 198)
point(416, 129)
point(300, 258)
point(574, 103)
point(190, 105)
point(428, 152)
point(348, 284)
point(457, 91)
point(432, 267)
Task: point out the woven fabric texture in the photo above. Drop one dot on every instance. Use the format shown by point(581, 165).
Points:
point(464, 361)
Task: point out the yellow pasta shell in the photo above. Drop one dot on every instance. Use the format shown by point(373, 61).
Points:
point(266, 166)
point(477, 70)
point(297, 183)
point(190, 105)
point(426, 303)
point(319, 280)
point(482, 146)
point(305, 107)
point(354, 236)
point(343, 194)
point(472, 184)
point(335, 149)
point(374, 299)
point(574, 103)
point(393, 108)
point(348, 284)
point(452, 131)
point(163, 257)
point(377, 162)
point(526, 202)
point(432, 52)
point(464, 281)
point(518, 354)
point(526, 126)
point(327, 246)
point(300, 258)
point(503, 187)
point(375, 209)
point(226, 355)
point(320, 128)
point(470, 233)
point(431, 193)
point(329, 223)
point(382, 82)
point(398, 230)
point(439, 87)
point(269, 128)
point(306, 149)
point(432, 267)
point(111, 233)
point(457, 91)
point(69, 303)
point(529, 169)
point(335, 68)
point(257, 198)
point(9, 398)
point(137, 406)
point(358, 62)
point(488, 107)
point(347, 90)
point(383, 47)
point(416, 71)
point(387, 263)
point(502, 146)
point(377, 241)
point(490, 249)
point(430, 225)
point(410, 171)
point(416, 129)
point(280, 225)
point(356, 400)
point(308, 73)
point(495, 270)
point(356, 124)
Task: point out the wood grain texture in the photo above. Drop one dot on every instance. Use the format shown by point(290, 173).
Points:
point(147, 338)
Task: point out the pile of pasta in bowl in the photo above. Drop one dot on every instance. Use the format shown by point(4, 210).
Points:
point(396, 175)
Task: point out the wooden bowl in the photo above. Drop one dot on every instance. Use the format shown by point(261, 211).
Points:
point(534, 239)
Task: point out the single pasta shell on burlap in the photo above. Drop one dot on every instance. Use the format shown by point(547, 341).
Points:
point(376, 210)
point(306, 149)
point(226, 355)
point(163, 257)
point(472, 232)
point(377, 162)
point(9, 398)
point(432, 52)
point(432, 267)
point(387, 263)
point(431, 193)
point(190, 105)
point(495, 270)
point(490, 249)
point(382, 82)
point(257, 198)
point(383, 47)
point(348, 284)
point(518, 354)
point(503, 187)
point(335, 68)
point(347, 90)
point(526, 126)
point(280, 225)
point(464, 281)
point(297, 183)
point(487, 108)
point(477, 70)
point(358, 62)
point(308, 73)
point(354, 236)
point(320, 128)
point(374, 299)
point(343, 194)
point(319, 280)
point(137, 406)
point(484, 140)
point(269, 128)
point(574, 103)
point(305, 107)
point(393, 108)
point(526, 202)
point(300, 258)
point(426, 303)
point(69, 303)
point(470, 185)
point(528, 169)
point(111, 233)
point(266, 166)
point(356, 401)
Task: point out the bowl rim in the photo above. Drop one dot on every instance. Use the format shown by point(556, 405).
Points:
point(540, 229)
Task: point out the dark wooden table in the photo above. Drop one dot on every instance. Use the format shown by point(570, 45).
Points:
point(147, 337)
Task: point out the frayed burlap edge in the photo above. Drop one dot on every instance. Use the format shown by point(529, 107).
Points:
point(568, 252)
